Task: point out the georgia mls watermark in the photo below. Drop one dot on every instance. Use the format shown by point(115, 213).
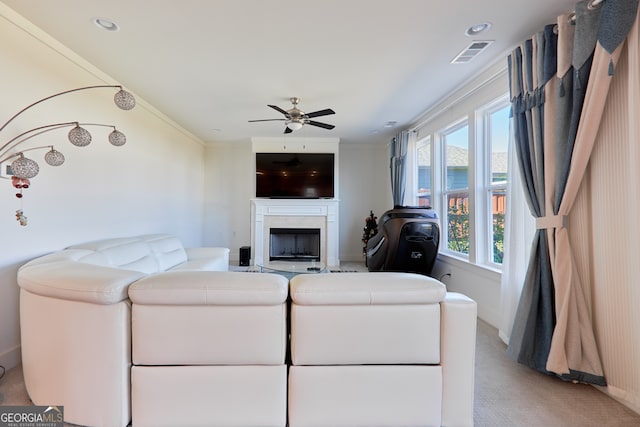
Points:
point(31, 416)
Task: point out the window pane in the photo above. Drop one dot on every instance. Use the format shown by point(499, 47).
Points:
point(498, 206)
point(424, 172)
point(457, 152)
point(499, 138)
point(458, 222)
point(499, 143)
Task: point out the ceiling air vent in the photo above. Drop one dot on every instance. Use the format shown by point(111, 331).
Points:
point(471, 51)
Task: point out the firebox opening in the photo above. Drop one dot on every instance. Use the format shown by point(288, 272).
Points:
point(294, 244)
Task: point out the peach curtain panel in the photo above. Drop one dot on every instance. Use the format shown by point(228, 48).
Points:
point(589, 43)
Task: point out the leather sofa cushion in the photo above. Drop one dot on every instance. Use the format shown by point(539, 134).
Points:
point(214, 396)
point(365, 334)
point(209, 288)
point(382, 396)
point(128, 253)
point(209, 335)
point(365, 288)
point(209, 318)
point(365, 318)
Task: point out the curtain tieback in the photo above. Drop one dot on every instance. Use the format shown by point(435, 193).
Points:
point(551, 221)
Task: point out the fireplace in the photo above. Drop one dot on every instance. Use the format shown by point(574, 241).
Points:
point(294, 244)
point(320, 215)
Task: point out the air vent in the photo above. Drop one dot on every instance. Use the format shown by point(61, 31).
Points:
point(471, 51)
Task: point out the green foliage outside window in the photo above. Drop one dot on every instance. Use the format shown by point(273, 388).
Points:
point(458, 224)
point(498, 237)
point(458, 228)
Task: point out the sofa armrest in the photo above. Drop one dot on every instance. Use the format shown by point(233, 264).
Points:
point(208, 259)
point(199, 253)
point(77, 281)
point(458, 345)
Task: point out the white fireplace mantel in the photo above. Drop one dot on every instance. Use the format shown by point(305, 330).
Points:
point(294, 213)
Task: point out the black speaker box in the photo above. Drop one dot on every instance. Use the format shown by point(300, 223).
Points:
point(245, 255)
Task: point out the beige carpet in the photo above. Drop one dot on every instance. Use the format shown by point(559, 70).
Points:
point(510, 395)
point(506, 394)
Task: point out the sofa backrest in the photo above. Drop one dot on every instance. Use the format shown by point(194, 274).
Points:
point(128, 253)
point(148, 254)
point(167, 250)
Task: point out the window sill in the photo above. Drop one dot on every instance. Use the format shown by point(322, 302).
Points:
point(487, 271)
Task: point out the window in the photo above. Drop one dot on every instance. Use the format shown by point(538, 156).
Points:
point(461, 169)
point(455, 193)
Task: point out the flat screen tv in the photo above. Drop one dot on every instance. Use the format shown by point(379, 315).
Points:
point(295, 175)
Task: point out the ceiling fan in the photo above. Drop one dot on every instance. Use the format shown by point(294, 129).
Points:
point(296, 118)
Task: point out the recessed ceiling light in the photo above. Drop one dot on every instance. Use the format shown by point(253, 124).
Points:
point(476, 29)
point(106, 24)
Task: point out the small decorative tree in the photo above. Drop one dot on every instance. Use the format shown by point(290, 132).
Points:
point(370, 230)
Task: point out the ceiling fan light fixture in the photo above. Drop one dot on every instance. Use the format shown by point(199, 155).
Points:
point(295, 118)
point(295, 125)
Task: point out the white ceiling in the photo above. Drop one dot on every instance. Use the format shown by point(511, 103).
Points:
point(212, 65)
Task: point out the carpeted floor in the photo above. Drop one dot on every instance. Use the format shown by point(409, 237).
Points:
point(511, 395)
point(506, 394)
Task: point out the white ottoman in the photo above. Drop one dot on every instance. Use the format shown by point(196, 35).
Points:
point(209, 349)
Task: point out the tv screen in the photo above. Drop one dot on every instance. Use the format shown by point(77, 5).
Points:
point(295, 175)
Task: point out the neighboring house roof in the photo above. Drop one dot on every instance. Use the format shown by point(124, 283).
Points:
point(459, 157)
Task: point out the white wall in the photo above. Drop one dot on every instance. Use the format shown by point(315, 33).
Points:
point(155, 183)
point(229, 182)
point(365, 185)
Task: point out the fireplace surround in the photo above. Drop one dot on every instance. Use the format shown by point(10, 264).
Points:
point(320, 214)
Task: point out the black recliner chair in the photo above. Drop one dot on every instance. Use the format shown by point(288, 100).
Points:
point(407, 240)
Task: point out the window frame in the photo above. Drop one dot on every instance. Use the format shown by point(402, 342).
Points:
point(485, 144)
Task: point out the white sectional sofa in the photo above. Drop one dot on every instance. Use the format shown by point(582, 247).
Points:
point(138, 330)
point(75, 320)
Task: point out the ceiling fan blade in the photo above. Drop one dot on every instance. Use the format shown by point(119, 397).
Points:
point(319, 113)
point(280, 110)
point(267, 120)
point(320, 125)
point(287, 130)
